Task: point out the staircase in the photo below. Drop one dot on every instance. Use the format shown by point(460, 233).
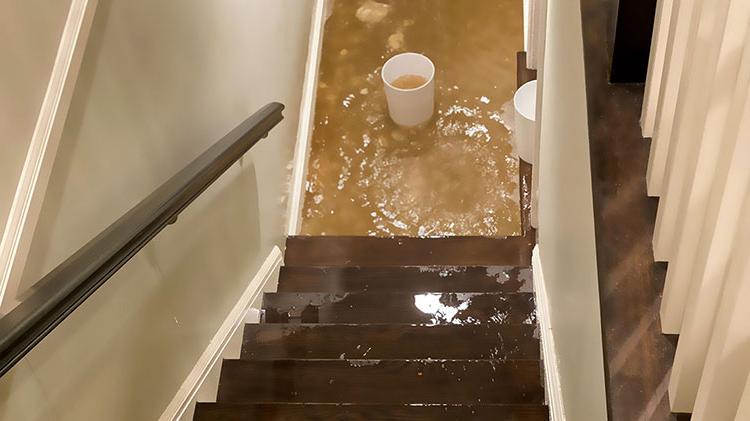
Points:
point(366, 328)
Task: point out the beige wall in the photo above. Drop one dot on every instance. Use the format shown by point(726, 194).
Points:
point(743, 412)
point(29, 35)
point(566, 218)
point(160, 82)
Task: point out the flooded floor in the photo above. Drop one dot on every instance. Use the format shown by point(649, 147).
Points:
point(457, 174)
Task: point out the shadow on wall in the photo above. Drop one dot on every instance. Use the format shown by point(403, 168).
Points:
point(137, 102)
point(151, 300)
point(159, 84)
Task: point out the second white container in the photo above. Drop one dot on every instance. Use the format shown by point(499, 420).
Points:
point(409, 107)
point(524, 102)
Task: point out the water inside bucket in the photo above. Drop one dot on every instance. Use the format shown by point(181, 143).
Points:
point(409, 82)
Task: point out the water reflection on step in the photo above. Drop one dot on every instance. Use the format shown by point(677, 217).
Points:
point(421, 308)
point(322, 341)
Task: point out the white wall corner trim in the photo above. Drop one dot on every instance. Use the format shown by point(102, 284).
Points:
point(537, 30)
point(212, 355)
point(32, 185)
point(526, 23)
point(307, 114)
point(551, 373)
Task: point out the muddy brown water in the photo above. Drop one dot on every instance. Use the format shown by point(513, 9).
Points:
point(456, 175)
point(409, 82)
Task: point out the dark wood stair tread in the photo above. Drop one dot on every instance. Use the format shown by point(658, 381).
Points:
point(274, 341)
point(374, 381)
point(327, 412)
point(407, 251)
point(410, 278)
point(413, 308)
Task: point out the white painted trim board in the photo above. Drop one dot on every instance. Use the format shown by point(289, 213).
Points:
point(552, 387)
point(212, 355)
point(32, 185)
point(307, 117)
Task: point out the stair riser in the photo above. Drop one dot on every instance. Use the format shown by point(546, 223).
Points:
point(372, 381)
point(406, 251)
point(422, 309)
point(244, 412)
point(410, 279)
point(267, 342)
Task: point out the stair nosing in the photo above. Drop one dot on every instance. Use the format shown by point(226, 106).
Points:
point(422, 360)
point(403, 266)
point(402, 292)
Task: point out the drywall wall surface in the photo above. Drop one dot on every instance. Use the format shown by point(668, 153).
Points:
point(566, 217)
point(160, 82)
point(29, 36)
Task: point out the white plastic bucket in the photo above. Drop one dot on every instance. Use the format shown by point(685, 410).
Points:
point(524, 103)
point(409, 107)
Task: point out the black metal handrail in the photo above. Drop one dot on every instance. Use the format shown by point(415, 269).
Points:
point(67, 286)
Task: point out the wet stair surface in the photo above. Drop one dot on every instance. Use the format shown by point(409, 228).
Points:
point(368, 328)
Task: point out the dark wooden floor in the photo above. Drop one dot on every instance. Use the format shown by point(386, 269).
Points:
point(397, 341)
point(638, 357)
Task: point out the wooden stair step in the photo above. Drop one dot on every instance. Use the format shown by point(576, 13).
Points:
point(408, 279)
point(407, 251)
point(274, 341)
point(414, 308)
point(382, 381)
point(326, 412)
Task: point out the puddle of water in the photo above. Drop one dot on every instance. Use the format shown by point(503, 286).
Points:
point(456, 175)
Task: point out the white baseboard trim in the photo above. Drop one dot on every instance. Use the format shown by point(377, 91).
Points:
point(32, 184)
point(321, 10)
point(551, 372)
point(185, 396)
